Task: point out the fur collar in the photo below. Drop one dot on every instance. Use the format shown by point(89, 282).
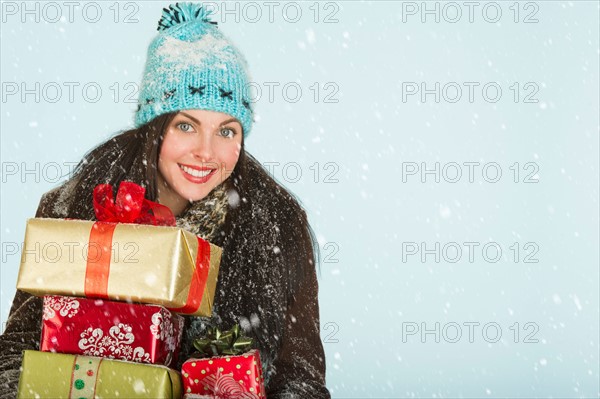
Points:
point(207, 216)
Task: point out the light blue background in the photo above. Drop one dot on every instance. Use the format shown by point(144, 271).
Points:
point(367, 292)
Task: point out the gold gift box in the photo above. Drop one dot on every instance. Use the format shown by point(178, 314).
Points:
point(148, 264)
point(49, 375)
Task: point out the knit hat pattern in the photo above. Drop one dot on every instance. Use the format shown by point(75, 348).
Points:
point(192, 65)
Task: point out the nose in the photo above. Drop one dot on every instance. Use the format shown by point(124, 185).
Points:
point(202, 149)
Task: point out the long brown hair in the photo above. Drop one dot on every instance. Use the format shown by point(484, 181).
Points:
point(130, 155)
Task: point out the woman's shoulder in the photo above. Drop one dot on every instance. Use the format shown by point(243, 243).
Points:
point(54, 203)
point(280, 213)
point(269, 194)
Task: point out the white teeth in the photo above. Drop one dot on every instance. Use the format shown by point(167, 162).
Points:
point(196, 173)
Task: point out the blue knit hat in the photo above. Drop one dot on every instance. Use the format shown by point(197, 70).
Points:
point(192, 65)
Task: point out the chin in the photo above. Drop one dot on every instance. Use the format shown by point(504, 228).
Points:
point(193, 196)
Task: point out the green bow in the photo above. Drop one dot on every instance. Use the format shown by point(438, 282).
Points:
point(216, 343)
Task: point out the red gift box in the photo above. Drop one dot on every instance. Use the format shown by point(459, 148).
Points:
point(114, 330)
point(237, 376)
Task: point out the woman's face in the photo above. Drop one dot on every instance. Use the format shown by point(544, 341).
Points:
point(199, 151)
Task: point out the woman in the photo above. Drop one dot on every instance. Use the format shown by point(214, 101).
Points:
point(187, 150)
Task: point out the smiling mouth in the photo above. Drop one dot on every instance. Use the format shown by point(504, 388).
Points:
point(196, 172)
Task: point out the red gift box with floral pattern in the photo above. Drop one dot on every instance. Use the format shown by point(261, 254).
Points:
point(114, 330)
point(237, 376)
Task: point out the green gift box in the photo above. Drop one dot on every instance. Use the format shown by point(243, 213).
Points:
point(54, 375)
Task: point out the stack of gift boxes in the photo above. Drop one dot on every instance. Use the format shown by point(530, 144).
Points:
point(113, 295)
point(80, 336)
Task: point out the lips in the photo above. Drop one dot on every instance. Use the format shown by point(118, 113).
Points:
point(197, 174)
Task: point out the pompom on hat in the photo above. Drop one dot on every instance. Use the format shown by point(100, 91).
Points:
point(192, 65)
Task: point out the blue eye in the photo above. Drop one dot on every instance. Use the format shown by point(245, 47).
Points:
point(229, 133)
point(186, 127)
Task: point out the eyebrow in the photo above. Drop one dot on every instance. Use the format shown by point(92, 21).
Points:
point(199, 123)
